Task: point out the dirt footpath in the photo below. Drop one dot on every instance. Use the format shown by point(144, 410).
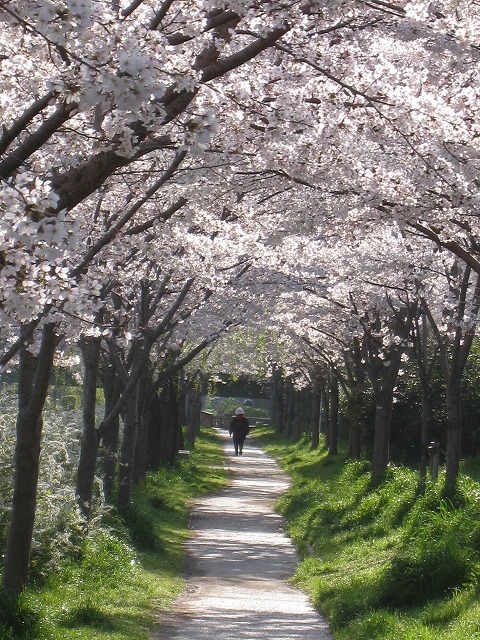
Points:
point(239, 561)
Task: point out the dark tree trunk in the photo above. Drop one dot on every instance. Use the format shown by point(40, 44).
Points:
point(193, 402)
point(454, 434)
point(315, 415)
point(426, 411)
point(453, 357)
point(381, 442)
point(356, 381)
point(356, 418)
point(333, 430)
point(88, 452)
point(278, 400)
point(34, 376)
point(112, 390)
point(154, 435)
point(289, 408)
point(297, 418)
point(174, 438)
point(145, 394)
point(164, 425)
point(127, 451)
point(383, 392)
point(325, 416)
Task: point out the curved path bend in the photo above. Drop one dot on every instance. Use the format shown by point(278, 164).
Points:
point(239, 562)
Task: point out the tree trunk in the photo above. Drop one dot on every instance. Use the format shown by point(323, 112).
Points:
point(34, 376)
point(127, 452)
point(165, 424)
point(112, 389)
point(145, 393)
point(454, 433)
point(315, 415)
point(154, 435)
point(278, 401)
point(174, 440)
point(381, 442)
point(355, 416)
point(325, 416)
point(383, 392)
point(426, 410)
point(88, 452)
point(289, 408)
point(192, 413)
point(333, 430)
point(297, 421)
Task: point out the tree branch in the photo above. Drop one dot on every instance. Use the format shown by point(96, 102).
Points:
point(108, 237)
point(36, 140)
point(164, 216)
point(20, 124)
point(451, 245)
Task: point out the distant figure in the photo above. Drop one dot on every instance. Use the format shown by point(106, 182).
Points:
point(239, 427)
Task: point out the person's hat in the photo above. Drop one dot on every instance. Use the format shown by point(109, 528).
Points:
point(239, 411)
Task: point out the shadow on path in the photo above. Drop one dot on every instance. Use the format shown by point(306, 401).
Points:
point(239, 561)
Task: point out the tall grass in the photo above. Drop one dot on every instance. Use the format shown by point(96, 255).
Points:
point(124, 572)
point(388, 560)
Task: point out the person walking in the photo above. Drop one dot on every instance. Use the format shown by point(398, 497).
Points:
point(239, 428)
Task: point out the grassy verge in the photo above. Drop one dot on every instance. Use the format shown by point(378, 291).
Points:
point(128, 573)
point(387, 561)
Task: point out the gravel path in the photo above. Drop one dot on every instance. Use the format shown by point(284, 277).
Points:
point(239, 561)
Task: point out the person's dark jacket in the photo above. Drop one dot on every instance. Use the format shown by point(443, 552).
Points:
point(239, 427)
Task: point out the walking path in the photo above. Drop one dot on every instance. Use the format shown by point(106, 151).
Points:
point(239, 561)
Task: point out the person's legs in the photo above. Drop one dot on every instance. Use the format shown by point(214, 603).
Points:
point(240, 447)
point(235, 444)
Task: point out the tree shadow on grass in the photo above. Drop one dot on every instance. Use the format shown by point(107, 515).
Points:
point(88, 614)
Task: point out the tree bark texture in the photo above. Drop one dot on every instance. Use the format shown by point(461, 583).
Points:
point(112, 389)
point(297, 419)
point(195, 412)
point(127, 451)
point(90, 348)
point(334, 405)
point(325, 415)
point(454, 434)
point(356, 419)
point(426, 411)
point(315, 415)
point(34, 376)
point(145, 394)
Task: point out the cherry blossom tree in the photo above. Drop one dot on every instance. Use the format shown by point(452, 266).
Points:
point(169, 170)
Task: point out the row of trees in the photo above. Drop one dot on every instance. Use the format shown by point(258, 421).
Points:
point(305, 172)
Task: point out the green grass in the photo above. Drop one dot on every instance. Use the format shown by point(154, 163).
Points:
point(127, 575)
point(386, 561)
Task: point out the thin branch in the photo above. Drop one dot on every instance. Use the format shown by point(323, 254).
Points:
point(108, 237)
point(161, 13)
point(131, 8)
point(21, 123)
point(164, 216)
point(223, 66)
point(36, 140)
point(172, 311)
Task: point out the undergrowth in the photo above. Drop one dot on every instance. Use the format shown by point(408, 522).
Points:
point(389, 560)
point(128, 570)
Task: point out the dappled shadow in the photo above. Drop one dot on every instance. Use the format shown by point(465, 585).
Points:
point(234, 624)
point(239, 561)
